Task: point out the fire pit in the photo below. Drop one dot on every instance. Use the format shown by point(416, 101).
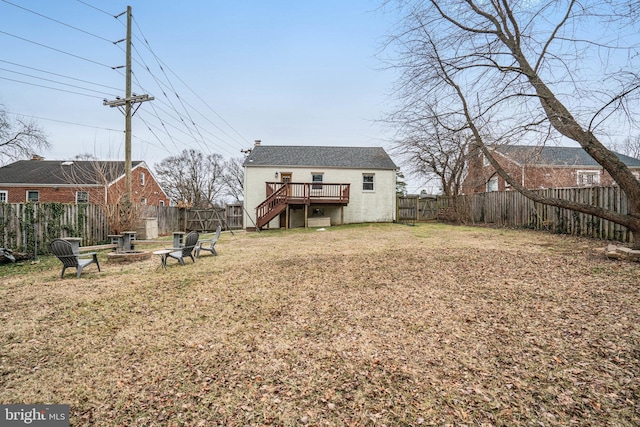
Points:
point(125, 248)
point(128, 256)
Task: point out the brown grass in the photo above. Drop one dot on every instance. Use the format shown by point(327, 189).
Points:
point(364, 325)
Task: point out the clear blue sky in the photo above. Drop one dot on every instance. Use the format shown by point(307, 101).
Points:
point(285, 72)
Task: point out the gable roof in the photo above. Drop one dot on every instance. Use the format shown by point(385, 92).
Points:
point(57, 172)
point(556, 156)
point(320, 156)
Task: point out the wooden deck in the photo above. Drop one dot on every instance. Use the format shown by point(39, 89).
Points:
point(281, 194)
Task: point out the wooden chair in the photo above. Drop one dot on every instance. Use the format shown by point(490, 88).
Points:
point(64, 251)
point(190, 241)
point(208, 244)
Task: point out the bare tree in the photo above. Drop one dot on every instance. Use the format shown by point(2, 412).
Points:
point(88, 172)
point(430, 147)
point(192, 178)
point(234, 178)
point(19, 139)
point(539, 72)
point(629, 146)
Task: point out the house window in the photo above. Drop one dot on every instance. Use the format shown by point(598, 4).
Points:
point(588, 178)
point(485, 161)
point(4, 196)
point(143, 201)
point(33, 196)
point(636, 174)
point(367, 182)
point(492, 184)
point(142, 178)
point(161, 202)
point(82, 197)
point(316, 178)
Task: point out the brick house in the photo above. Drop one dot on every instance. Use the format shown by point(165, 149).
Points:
point(77, 181)
point(541, 167)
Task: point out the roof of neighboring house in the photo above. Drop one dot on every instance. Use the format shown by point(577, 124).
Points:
point(320, 156)
point(59, 172)
point(556, 156)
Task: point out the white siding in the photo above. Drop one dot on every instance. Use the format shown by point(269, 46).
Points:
point(378, 205)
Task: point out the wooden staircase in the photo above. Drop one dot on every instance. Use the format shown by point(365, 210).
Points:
point(272, 206)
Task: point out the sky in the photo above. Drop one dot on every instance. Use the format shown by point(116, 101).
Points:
point(223, 74)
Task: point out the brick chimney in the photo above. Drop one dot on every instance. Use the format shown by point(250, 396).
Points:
point(36, 157)
point(257, 142)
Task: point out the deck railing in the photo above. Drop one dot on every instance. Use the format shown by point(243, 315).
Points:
point(311, 192)
point(279, 194)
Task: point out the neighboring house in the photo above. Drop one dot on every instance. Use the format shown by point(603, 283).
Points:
point(306, 186)
point(541, 167)
point(77, 181)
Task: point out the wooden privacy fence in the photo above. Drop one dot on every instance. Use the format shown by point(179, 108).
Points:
point(206, 220)
point(170, 218)
point(416, 208)
point(512, 209)
point(30, 227)
point(235, 216)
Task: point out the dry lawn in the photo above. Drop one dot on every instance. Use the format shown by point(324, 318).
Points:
point(361, 325)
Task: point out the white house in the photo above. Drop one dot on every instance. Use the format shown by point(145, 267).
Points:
point(298, 186)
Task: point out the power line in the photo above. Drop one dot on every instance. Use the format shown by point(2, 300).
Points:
point(161, 63)
point(171, 103)
point(52, 81)
point(59, 75)
point(177, 113)
point(52, 88)
point(162, 122)
point(204, 117)
point(182, 101)
point(64, 121)
point(187, 124)
point(174, 140)
point(56, 50)
point(153, 107)
point(168, 80)
point(202, 142)
point(57, 22)
point(96, 8)
point(165, 124)
point(208, 106)
point(156, 136)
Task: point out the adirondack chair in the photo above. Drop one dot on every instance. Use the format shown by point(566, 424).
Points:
point(190, 241)
point(208, 244)
point(64, 251)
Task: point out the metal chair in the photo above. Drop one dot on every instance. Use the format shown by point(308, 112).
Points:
point(64, 251)
point(208, 244)
point(190, 241)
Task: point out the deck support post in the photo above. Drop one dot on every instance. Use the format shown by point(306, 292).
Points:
point(286, 218)
point(306, 217)
point(342, 215)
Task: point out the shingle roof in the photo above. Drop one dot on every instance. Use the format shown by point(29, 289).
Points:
point(320, 156)
point(556, 156)
point(58, 172)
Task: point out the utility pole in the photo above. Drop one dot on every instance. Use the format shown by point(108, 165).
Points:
point(127, 102)
point(127, 113)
